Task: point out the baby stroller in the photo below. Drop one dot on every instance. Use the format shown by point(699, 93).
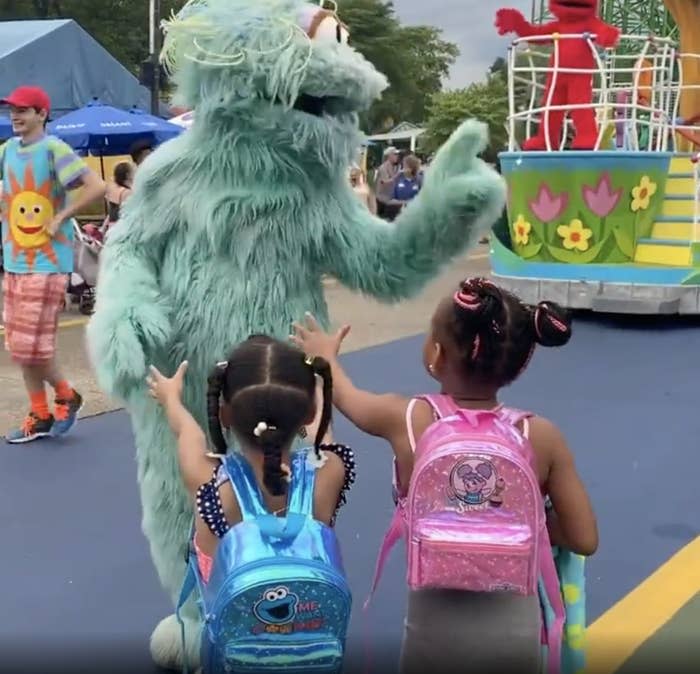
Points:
point(86, 256)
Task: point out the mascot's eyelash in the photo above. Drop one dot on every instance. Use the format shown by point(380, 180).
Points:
point(192, 29)
point(220, 59)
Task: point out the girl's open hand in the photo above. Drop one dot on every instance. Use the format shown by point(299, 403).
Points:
point(314, 341)
point(165, 389)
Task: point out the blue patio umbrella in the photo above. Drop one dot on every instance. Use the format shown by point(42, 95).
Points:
point(106, 131)
point(6, 128)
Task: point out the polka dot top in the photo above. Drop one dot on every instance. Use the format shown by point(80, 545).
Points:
point(211, 510)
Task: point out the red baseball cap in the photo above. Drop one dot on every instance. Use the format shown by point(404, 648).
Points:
point(29, 97)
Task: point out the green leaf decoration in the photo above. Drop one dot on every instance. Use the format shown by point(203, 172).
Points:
point(576, 257)
point(530, 250)
point(624, 240)
point(610, 253)
point(591, 222)
point(537, 227)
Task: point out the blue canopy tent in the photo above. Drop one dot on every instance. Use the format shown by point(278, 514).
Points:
point(71, 66)
point(104, 131)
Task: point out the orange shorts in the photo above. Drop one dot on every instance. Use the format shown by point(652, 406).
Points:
point(31, 306)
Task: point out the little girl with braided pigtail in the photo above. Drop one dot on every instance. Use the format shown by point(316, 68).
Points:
point(481, 339)
point(265, 393)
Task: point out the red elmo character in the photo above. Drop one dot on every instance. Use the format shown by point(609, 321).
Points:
point(570, 88)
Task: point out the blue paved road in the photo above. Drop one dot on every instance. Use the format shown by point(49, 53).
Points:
point(624, 394)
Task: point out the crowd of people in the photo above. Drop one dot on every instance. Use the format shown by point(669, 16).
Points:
point(396, 181)
point(480, 339)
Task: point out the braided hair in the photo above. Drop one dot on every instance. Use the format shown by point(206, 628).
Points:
point(270, 387)
point(496, 334)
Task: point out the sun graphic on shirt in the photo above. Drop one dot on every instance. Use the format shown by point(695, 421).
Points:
point(29, 209)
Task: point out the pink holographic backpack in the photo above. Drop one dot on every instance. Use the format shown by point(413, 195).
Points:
point(474, 515)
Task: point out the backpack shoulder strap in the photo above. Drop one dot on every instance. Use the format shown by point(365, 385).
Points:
point(188, 586)
point(301, 489)
point(442, 405)
point(245, 486)
point(393, 535)
point(513, 415)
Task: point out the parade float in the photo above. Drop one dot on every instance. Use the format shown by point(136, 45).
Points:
point(614, 228)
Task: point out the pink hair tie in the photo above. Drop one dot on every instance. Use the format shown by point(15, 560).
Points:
point(561, 327)
point(469, 301)
point(537, 323)
point(557, 324)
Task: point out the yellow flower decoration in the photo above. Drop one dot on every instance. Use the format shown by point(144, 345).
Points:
point(575, 637)
point(642, 194)
point(522, 228)
point(571, 593)
point(575, 235)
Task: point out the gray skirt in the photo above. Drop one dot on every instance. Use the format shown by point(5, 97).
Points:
point(455, 631)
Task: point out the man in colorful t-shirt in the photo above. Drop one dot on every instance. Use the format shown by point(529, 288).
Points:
point(37, 172)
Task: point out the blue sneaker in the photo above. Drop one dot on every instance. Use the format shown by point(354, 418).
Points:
point(32, 428)
point(66, 414)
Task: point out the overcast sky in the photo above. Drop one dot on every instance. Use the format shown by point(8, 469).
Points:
point(467, 23)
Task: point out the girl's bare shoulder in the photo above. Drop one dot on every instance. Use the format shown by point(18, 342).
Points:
point(547, 439)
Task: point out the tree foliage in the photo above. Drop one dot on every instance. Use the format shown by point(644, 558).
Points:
point(486, 101)
point(415, 59)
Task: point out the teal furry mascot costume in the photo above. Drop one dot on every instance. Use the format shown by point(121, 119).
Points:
point(232, 226)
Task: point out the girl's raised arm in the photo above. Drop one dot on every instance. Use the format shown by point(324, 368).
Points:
point(381, 415)
point(196, 467)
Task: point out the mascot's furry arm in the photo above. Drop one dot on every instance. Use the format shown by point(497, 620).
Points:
point(460, 198)
point(138, 321)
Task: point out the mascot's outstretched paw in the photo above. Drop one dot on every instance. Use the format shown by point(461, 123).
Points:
point(461, 192)
point(509, 20)
point(166, 644)
point(458, 155)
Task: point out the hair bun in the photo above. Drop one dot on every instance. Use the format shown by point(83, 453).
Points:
point(551, 324)
point(481, 298)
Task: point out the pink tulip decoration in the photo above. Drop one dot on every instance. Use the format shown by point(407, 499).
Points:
point(548, 207)
point(602, 200)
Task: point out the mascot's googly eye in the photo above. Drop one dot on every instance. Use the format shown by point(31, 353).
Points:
point(331, 30)
point(270, 596)
point(281, 593)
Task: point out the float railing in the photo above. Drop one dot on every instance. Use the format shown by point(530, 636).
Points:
point(652, 62)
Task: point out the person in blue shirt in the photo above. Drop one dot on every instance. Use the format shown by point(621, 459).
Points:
point(409, 181)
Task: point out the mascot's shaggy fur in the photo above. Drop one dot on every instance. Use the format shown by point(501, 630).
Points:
point(232, 226)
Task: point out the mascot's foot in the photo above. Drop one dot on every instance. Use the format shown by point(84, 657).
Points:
point(166, 644)
point(534, 144)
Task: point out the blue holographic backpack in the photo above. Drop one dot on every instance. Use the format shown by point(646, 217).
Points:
point(277, 599)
